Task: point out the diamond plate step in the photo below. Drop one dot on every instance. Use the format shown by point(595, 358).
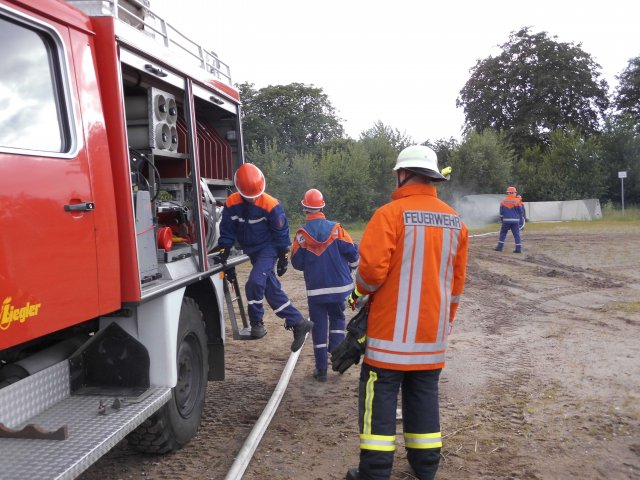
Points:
point(43, 399)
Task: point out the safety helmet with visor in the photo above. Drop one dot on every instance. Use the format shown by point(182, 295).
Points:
point(249, 181)
point(422, 160)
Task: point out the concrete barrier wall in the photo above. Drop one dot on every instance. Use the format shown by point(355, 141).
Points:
point(563, 211)
point(477, 210)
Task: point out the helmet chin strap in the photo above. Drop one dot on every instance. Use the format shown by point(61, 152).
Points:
point(409, 176)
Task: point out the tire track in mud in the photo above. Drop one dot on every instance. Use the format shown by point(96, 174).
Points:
point(562, 417)
point(500, 409)
point(580, 280)
point(500, 412)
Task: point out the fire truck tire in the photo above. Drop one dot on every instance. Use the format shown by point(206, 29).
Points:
point(178, 420)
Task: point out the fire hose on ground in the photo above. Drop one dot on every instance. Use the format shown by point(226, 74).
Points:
point(251, 443)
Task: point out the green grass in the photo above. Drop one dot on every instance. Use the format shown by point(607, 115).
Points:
point(626, 307)
point(614, 214)
point(611, 217)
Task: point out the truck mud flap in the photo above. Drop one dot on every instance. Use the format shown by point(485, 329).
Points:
point(112, 362)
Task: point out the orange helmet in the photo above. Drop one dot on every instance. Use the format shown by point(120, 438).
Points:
point(511, 190)
point(249, 181)
point(313, 199)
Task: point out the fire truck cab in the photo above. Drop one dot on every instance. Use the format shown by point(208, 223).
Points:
point(119, 138)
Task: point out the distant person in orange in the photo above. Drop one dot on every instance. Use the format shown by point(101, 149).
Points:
point(413, 260)
point(512, 217)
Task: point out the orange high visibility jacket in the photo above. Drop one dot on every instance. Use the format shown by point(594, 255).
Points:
point(413, 259)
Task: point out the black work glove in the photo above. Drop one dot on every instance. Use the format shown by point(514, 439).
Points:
point(354, 344)
point(283, 262)
point(347, 353)
point(223, 253)
point(230, 275)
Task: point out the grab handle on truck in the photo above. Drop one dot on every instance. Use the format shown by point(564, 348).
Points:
point(80, 207)
point(155, 70)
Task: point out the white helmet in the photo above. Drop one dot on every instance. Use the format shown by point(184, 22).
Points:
point(421, 160)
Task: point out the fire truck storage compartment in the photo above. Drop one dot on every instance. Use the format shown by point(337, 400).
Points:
point(162, 190)
point(151, 120)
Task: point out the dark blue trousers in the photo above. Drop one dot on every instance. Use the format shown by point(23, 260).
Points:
point(515, 228)
point(328, 329)
point(264, 284)
point(378, 400)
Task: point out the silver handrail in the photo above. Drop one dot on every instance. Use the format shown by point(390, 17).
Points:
point(138, 14)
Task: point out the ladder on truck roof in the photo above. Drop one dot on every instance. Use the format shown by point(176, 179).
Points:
point(138, 15)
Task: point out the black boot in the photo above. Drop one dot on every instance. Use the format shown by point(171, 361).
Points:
point(353, 474)
point(320, 374)
point(300, 331)
point(258, 330)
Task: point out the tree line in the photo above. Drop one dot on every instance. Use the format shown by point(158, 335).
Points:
point(538, 115)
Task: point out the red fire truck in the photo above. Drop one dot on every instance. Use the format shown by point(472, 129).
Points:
point(119, 138)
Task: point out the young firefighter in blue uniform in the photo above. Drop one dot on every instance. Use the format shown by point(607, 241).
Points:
point(512, 217)
point(257, 221)
point(326, 254)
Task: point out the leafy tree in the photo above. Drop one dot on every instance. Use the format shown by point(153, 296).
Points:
point(483, 163)
point(302, 176)
point(336, 145)
point(274, 163)
point(382, 144)
point(287, 177)
point(345, 183)
point(535, 86)
point(575, 166)
point(395, 138)
point(572, 169)
point(530, 184)
point(627, 98)
point(444, 148)
point(298, 117)
point(621, 150)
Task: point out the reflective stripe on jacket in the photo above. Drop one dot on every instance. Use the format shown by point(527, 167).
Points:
point(413, 257)
point(254, 225)
point(511, 210)
point(325, 252)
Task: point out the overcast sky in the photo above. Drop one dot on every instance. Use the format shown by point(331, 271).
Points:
point(401, 62)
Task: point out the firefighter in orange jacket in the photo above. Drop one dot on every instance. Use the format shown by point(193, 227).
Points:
point(512, 218)
point(413, 258)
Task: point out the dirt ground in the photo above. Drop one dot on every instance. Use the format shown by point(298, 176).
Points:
point(542, 378)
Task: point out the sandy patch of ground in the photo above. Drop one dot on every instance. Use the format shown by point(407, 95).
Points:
point(542, 378)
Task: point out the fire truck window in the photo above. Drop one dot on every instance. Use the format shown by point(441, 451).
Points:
point(30, 102)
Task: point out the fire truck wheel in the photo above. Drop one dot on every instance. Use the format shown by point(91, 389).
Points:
point(178, 420)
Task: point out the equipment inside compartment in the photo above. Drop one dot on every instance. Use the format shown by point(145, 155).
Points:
point(164, 198)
